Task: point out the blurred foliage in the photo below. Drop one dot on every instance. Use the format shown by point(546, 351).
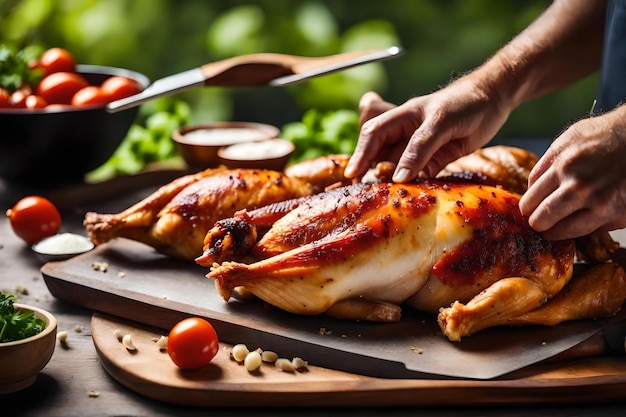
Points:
point(148, 140)
point(323, 133)
point(442, 39)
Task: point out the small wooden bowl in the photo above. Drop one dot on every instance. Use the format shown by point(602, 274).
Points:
point(22, 360)
point(271, 154)
point(198, 144)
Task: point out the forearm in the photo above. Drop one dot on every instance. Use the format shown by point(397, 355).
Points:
point(563, 45)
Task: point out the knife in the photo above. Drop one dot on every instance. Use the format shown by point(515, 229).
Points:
point(253, 70)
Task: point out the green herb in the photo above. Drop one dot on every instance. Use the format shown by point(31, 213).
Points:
point(148, 140)
point(16, 324)
point(323, 133)
point(14, 67)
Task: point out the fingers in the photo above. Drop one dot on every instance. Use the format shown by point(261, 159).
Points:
point(372, 105)
point(420, 150)
point(381, 136)
point(579, 223)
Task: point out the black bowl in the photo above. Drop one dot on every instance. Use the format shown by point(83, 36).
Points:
point(61, 145)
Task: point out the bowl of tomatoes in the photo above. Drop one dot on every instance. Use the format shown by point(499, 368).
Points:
point(55, 126)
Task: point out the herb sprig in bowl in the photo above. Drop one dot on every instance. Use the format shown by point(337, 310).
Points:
point(16, 324)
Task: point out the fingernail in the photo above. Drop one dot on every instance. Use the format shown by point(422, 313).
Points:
point(349, 171)
point(402, 175)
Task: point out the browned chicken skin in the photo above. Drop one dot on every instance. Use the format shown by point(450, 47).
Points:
point(361, 252)
point(174, 219)
point(461, 250)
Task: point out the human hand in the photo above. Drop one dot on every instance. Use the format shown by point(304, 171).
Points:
point(426, 133)
point(579, 185)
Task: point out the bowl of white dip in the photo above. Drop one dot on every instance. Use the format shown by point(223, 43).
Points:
point(271, 154)
point(198, 144)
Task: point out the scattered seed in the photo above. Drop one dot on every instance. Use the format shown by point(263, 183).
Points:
point(127, 341)
point(62, 337)
point(100, 266)
point(239, 352)
point(284, 365)
point(118, 334)
point(161, 342)
point(269, 356)
point(252, 362)
point(417, 350)
point(299, 363)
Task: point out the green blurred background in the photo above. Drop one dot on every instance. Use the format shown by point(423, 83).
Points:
point(442, 38)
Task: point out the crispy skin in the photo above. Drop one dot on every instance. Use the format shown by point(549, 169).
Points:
point(321, 172)
point(505, 166)
point(426, 244)
point(174, 220)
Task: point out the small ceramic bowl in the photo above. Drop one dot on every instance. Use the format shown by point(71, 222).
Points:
point(62, 246)
point(22, 360)
point(271, 154)
point(198, 144)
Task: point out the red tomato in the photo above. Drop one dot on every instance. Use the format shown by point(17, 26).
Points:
point(35, 102)
point(5, 96)
point(89, 95)
point(60, 87)
point(192, 343)
point(34, 218)
point(117, 87)
point(56, 60)
point(18, 98)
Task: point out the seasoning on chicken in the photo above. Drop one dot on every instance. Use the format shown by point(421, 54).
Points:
point(362, 251)
point(175, 218)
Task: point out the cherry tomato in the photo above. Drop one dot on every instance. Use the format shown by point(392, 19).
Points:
point(4, 98)
point(89, 95)
point(60, 87)
point(118, 87)
point(192, 343)
point(34, 218)
point(56, 60)
point(34, 101)
point(18, 98)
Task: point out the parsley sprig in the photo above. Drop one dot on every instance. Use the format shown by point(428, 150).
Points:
point(14, 67)
point(17, 324)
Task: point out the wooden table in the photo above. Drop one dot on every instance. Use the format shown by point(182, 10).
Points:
point(75, 384)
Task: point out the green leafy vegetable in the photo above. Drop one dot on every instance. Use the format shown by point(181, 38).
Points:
point(148, 140)
point(323, 133)
point(16, 324)
point(14, 69)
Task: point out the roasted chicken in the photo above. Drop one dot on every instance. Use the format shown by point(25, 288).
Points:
point(362, 251)
point(174, 219)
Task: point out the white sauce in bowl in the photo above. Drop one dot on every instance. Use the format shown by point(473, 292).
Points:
point(223, 136)
point(265, 149)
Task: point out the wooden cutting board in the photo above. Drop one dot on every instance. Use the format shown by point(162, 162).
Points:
point(225, 383)
point(154, 290)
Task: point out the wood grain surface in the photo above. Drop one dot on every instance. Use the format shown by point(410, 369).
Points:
point(226, 383)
